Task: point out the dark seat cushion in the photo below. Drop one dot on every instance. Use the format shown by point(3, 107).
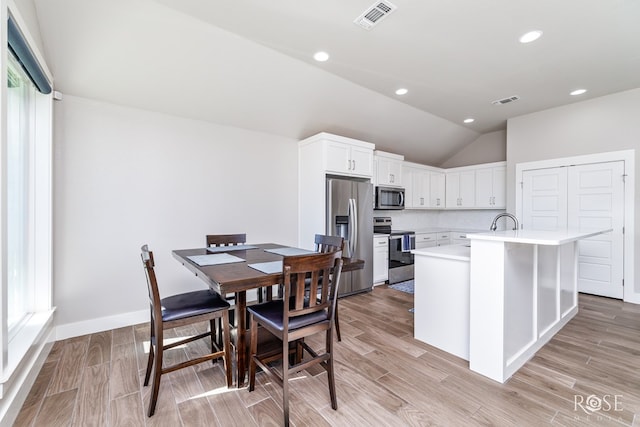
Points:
point(271, 313)
point(191, 304)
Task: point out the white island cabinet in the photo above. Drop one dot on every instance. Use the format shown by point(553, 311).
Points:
point(523, 290)
point(441, 298)
point(500, 300)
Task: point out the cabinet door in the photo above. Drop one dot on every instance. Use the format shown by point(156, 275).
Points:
point(467, 189)
point(484, 188)
point(407, 173)
point(436, 189)
point(420, 181)
point(389, 171)
point(491, 188)
point(453, 189)
point(361, 161)
point(338, 157)
point(500, 187)
point(380, 259)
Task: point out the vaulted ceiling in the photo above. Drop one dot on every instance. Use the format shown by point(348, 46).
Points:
point(249, 63)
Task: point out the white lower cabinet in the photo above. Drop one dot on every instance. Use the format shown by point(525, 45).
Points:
point(380, 259)
point(459, 238)
point(443, 239)
point(426, 240)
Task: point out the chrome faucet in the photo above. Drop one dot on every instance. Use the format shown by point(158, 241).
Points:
point(494, 224)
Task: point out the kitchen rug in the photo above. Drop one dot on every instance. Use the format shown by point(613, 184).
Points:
point(403, 286)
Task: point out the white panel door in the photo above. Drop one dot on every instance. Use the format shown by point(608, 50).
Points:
point(596, 200)
point(544, 199)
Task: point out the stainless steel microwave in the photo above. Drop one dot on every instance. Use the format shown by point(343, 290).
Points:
point(389, 198)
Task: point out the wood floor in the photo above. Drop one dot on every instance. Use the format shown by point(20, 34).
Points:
point(589, 374)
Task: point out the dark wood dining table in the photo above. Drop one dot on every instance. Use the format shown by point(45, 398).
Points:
point(238, 278)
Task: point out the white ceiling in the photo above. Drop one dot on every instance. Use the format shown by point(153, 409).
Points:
point(248, 63)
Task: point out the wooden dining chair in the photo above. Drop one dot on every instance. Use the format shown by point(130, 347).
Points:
point(324, 244)
point(180, 310)
point(306, 309)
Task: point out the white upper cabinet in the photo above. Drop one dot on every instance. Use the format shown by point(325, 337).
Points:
point(491, 187)
point(437, 190)
point(424, 186)
point(460, 188)
point(388, 169)
point(345, 156)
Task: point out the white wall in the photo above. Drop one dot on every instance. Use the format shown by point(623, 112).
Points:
point(608, 123)
point(487, 148)
point(125, 177)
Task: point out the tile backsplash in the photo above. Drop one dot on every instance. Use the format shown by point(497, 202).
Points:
point(410, 219)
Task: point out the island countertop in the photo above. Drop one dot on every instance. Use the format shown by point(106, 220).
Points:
point(536, 237)
point(457, 252)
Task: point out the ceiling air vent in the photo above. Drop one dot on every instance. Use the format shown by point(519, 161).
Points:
point(506, 100)
point(374, 14)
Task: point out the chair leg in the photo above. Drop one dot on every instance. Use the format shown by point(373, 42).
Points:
point(157, 374)
point(329, 367)
point(151, 346)
point(285, 381)
point(149, 366)
point(214, 330)
point(227, 347)
point(252, 352)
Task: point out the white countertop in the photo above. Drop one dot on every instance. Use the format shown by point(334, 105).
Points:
point(456, 252)
point(536, 237)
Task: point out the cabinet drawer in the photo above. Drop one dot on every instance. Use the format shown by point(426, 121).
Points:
point(444, 236)
point(459, 235)
point(425, 237)
point(381, 242)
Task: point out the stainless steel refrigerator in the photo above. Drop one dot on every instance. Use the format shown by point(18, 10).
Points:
point(350, 215)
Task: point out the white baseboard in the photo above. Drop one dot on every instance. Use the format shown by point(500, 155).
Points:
point(100, 324)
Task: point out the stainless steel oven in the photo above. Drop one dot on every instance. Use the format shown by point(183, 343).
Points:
point(400, 245)
point(400, 257)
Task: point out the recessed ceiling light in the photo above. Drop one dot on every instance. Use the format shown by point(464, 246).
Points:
point(321, 56)
point(577, 92)
point(402, 91)
point(530, 36)
point(469, 120)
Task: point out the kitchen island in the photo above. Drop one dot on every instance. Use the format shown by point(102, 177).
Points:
point(521, 289)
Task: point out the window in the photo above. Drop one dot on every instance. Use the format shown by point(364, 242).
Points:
point(25, 205)
point(20, 137)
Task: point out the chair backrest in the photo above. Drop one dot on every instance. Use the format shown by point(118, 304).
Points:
point(315, 295)
point(152, 283)
point(226, 239)
point(326, 244)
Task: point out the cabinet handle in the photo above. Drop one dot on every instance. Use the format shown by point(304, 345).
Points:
point(354, 164)
point(421, 201)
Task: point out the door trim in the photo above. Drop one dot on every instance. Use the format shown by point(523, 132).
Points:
point(628, 157)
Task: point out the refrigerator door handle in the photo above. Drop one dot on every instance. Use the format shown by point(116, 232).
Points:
point(351, 226)
point(354, 241)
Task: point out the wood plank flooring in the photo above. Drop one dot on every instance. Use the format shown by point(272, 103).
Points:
point(589, 374)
